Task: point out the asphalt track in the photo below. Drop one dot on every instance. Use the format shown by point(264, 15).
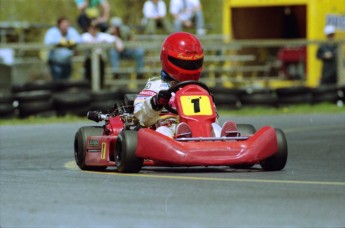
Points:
point(40, 185)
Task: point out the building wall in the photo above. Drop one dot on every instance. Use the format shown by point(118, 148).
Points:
point(318, 14)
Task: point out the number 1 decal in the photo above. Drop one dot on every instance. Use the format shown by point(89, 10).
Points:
point(196, 105)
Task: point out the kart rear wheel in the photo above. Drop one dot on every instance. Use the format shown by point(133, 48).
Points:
point(277, 161)
point(126, 145)
point(244, 129)
point(80, 146)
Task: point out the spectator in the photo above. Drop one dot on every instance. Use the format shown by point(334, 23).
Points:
point(64, 38)
point(187, 13)
point(95, 36)
point(155, 16)
point(124, 33)
point(95, 10)
point(327, 53)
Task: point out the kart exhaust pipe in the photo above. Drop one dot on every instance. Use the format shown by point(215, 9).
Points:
point(96, 116)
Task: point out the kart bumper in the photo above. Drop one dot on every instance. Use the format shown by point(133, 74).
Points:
point(160, 148)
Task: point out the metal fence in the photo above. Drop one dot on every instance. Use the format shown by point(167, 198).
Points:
point(227, 63)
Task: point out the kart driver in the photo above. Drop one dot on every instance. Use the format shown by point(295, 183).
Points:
point(182, 58)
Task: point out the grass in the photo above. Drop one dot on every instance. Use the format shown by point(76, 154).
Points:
point(290, 109)
point(244, 111)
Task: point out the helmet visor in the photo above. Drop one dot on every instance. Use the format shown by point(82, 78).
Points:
point(186, 64)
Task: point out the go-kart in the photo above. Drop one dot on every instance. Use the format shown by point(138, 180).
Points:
point(123, 143)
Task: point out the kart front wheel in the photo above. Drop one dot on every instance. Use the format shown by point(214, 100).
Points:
point(278, 160)
point(80, 146)
point(126, 145)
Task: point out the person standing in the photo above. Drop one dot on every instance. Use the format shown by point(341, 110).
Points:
point(155, 16)
point(64, 38)
point(93, 10)
point(187, 13)
point(327, 53)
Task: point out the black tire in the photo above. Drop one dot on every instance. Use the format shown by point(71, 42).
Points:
point(226, 100)
point(29, 108)
point(72, 99)
point(277, 161)
point(40, 85)
point(7, 110)
point(126, 145)
point(80, 146)
point(296, 99)
point(244, 129)
point(65, 85)
point(74, 103)
point(103, 106)
point(331, 97)
point(35, 95)
point(6, 98)
point(292, 91)
point(259, 99)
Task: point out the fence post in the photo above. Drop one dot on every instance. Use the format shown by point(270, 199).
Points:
point(95, 77)
point(340, 63)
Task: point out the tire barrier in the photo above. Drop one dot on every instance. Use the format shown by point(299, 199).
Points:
point(226, 98)
point(104, 101)
point(326, 93)
point(294, 95)
point(7, 109)
point(35, 102)
point(75, 98)
point(259, 97)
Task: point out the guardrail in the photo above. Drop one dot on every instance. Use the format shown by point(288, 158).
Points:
point(232, 56)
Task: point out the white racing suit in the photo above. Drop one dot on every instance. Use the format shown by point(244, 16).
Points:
point(163, 121)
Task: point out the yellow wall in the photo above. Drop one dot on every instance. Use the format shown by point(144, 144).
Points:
point(317, 11)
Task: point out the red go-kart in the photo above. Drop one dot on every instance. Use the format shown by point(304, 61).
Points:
point(121, 142)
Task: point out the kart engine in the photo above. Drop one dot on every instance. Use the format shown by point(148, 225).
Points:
point(125, 113)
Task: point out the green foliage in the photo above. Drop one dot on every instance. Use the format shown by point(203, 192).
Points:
point(285, 109)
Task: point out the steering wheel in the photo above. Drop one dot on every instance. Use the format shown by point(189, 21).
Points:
point(176, 87)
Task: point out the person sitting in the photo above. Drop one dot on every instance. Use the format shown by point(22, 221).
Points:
point(187, 13)
point(64, 38)
point(124, 33)
point(93, 10)
point(93, 35)
point(155, 16)
point(182, 57)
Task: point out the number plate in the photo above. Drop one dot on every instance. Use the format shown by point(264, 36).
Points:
point(196, 105)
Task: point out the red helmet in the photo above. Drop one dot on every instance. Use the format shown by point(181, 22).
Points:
point(182, 56)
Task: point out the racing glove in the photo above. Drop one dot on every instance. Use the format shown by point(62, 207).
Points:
point(160, 99)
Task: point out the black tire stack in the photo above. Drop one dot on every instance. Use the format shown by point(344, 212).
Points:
point(7, 109)
point(259, 97)
point(72, 98)
point(104, 100)
point(47, 98)
point(226, 98)
point(294, 95)
point(34, 98)
point(326, 93)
